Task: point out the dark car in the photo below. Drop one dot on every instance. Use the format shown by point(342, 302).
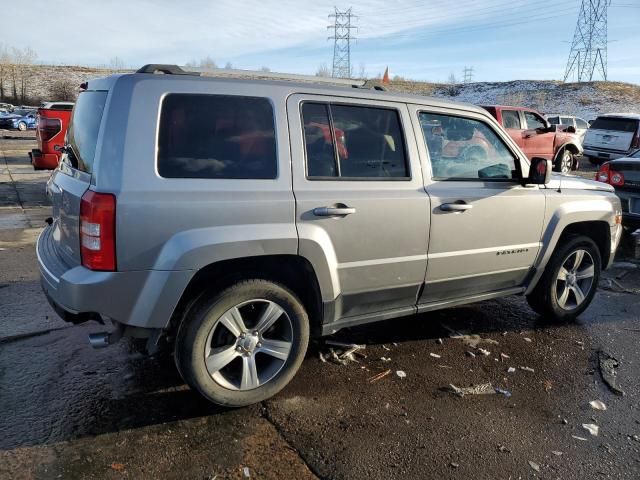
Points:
point(19, 119)
point(624, 175)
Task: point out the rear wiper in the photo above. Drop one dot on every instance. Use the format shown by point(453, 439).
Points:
point(68, 155)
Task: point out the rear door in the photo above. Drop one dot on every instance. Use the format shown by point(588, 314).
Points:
point(537, 142)
point(73, 177)
point(512, 123)
point(485, 226)
point(612, 133)
point(360, 195)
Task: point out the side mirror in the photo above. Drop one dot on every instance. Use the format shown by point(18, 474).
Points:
point(539, 171)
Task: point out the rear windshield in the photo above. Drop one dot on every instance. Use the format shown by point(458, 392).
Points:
point(618, 124)
point(84, 127)
point(216, 136)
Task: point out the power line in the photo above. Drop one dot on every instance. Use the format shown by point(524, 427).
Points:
point(589, 47)
point(341, 42)
point(467, 74)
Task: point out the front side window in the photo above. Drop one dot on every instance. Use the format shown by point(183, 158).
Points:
point(216, 136)
point(465, 149)
point(511, 119)
point(534, 121)
point(566, 121)
point(346, 141)
point(554, 120)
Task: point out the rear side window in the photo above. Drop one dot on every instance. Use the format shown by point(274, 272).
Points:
point(511, 119)
point(566, 120)
point(216, 136)
point(357, 142)
point(554, 120)
point(84, 127)
point(617, 124)
point(581, 123)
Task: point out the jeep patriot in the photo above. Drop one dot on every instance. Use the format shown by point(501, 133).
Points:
point(232, 219)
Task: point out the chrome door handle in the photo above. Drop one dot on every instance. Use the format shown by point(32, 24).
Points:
point(455, 207)
point(333, 211)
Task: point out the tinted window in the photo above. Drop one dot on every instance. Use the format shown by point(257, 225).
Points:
point(353, 142)
point(511, 119)
point(554, 120)
point(581, 123)
point(618, 124)
point(533, 120)
point(216, 136)
point(84, 127)
point(463, 148)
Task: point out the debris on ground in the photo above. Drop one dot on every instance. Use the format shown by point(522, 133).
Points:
point(439, 341)
point(592, 428)
point(246, 473)
point(608, 370)
point(343, 353)
point(527, 339)
point(469, 353)
point(379, 376)
point(118, 467)
point(502, 448)
point(548, 385)
point(481, 389)
point(385, 359)
point(557, 453)
point(504, 356)
point(454, 465)
point(474, 340)
point(401, 374)
point(597, 405)
point(511, 370)
point(527, 369)
point(484, 352)
point(445, 366)
point(506, 393)
point(386, 348)
point(434, 355)
point(534, 465)
point(579, 438)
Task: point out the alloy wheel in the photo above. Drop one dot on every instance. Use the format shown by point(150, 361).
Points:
point(575, 279)
point(565, 165)
point(248, 345)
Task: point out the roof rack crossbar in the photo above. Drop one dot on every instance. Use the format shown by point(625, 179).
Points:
point(227, 72)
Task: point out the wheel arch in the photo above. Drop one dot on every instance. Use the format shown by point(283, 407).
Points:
point(292, 271)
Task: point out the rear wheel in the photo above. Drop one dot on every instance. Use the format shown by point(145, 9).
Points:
point(244, 344)
point(22, 126)
point(569, 282)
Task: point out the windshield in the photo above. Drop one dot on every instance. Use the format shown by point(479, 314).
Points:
point(619, 124)
point(84, 128)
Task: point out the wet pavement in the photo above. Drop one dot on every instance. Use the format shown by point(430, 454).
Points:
point(69, 411)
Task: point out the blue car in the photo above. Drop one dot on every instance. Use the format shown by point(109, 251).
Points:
point(19, 119)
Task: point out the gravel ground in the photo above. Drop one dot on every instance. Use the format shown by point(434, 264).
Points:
point(72, 412)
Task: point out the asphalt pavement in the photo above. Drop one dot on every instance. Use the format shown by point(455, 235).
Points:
point(69, 411)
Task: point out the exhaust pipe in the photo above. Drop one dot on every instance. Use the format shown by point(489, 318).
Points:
point(99, 340)
point(104, 339)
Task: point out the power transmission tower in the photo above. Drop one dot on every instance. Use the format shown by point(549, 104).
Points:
point(589, 47)
point(468, 75)
point(341, 42)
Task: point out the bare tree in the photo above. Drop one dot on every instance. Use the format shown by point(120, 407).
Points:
point(452, 86)
point(62, 91)
point(5, 63)
point(265, 69)
point(228, 66)
point(116, 63)
point(323, 71)
point(22, 59)
point(362, 72)
point(207, 63)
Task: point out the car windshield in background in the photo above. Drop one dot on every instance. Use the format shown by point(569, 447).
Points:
point(618, 124)
point(85, 124)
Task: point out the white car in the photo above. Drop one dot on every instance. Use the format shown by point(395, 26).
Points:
point(611, 136)
point(578, 123)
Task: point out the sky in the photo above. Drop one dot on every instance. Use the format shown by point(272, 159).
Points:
point(417, 39)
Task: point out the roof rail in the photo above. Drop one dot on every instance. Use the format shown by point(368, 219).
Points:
point(226, 72)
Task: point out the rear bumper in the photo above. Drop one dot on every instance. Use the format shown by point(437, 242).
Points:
point(145, 298)
point(630, 208)
point(39, 160)
point(603, 154)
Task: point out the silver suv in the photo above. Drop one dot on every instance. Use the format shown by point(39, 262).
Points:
point(233, 219)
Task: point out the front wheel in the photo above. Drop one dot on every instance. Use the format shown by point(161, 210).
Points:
point(22, 126)
point(565, 163)
point(244, 344)
point(569, 282)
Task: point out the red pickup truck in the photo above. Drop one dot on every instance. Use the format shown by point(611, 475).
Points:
point(51, 127)
point(538, 138)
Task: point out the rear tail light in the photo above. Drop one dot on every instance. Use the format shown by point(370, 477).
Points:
point(98, 231)
point(48, 128)
point(607, 175)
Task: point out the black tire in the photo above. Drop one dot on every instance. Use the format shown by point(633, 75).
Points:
point(565, 162)
point(544, 298)
point(204, 317)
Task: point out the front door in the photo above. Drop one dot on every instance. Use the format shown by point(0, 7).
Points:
point(360, 202)
point(485, 226)
point(537, 141)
